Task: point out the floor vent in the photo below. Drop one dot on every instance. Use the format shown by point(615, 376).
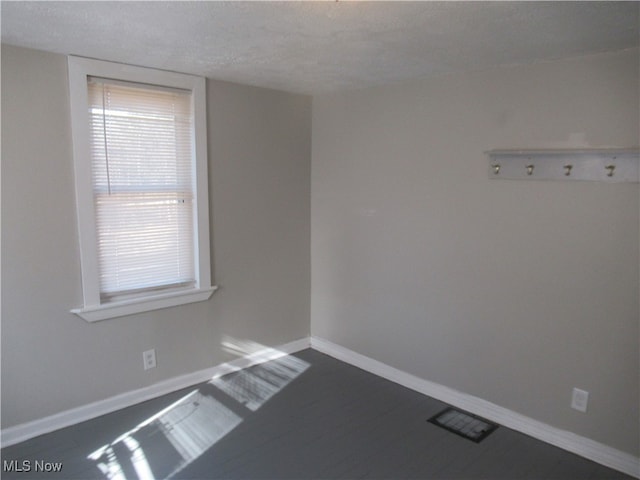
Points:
point(464, 424)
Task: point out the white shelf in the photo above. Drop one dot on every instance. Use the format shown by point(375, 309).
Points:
point(605, 165)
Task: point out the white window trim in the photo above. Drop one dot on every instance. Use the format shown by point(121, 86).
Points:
point(93, 310)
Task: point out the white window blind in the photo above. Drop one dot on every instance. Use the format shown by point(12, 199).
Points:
point(141, 141)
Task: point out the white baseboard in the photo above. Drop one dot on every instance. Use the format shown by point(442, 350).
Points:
point(25, 431)
point(585, 447)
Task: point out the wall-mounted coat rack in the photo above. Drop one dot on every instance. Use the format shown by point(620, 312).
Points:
point(607, 165)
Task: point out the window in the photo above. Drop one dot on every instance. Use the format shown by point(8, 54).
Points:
point(139, 138)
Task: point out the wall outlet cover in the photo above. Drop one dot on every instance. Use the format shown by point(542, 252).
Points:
point(579, 400)
point(149, 359)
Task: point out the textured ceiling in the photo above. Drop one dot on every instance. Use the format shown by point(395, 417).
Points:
point(316, 47)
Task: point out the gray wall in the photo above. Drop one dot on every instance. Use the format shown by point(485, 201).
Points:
point(259, 161)
point(512, 291)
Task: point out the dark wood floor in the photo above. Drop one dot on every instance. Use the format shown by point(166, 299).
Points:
point(299, 417)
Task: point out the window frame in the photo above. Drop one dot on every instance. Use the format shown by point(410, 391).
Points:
point(94, 309)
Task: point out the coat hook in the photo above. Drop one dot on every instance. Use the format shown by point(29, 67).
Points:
point(611, 169)
point(530, 169)
point(568, 169)
point(496, 169)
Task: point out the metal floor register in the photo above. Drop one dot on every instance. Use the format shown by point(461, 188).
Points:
point(464, 424)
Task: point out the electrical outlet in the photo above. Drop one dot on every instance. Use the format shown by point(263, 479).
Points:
point(579, 400)
point(149, 359)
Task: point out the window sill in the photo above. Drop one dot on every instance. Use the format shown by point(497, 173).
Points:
point(145, 304)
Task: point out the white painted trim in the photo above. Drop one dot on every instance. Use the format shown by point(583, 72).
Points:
point(143, 304)
point(25, 431)
point(80, 69)
point(585, 447)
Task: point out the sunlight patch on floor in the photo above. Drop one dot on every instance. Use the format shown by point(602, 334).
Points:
point(171, 439)
point(252, 387)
